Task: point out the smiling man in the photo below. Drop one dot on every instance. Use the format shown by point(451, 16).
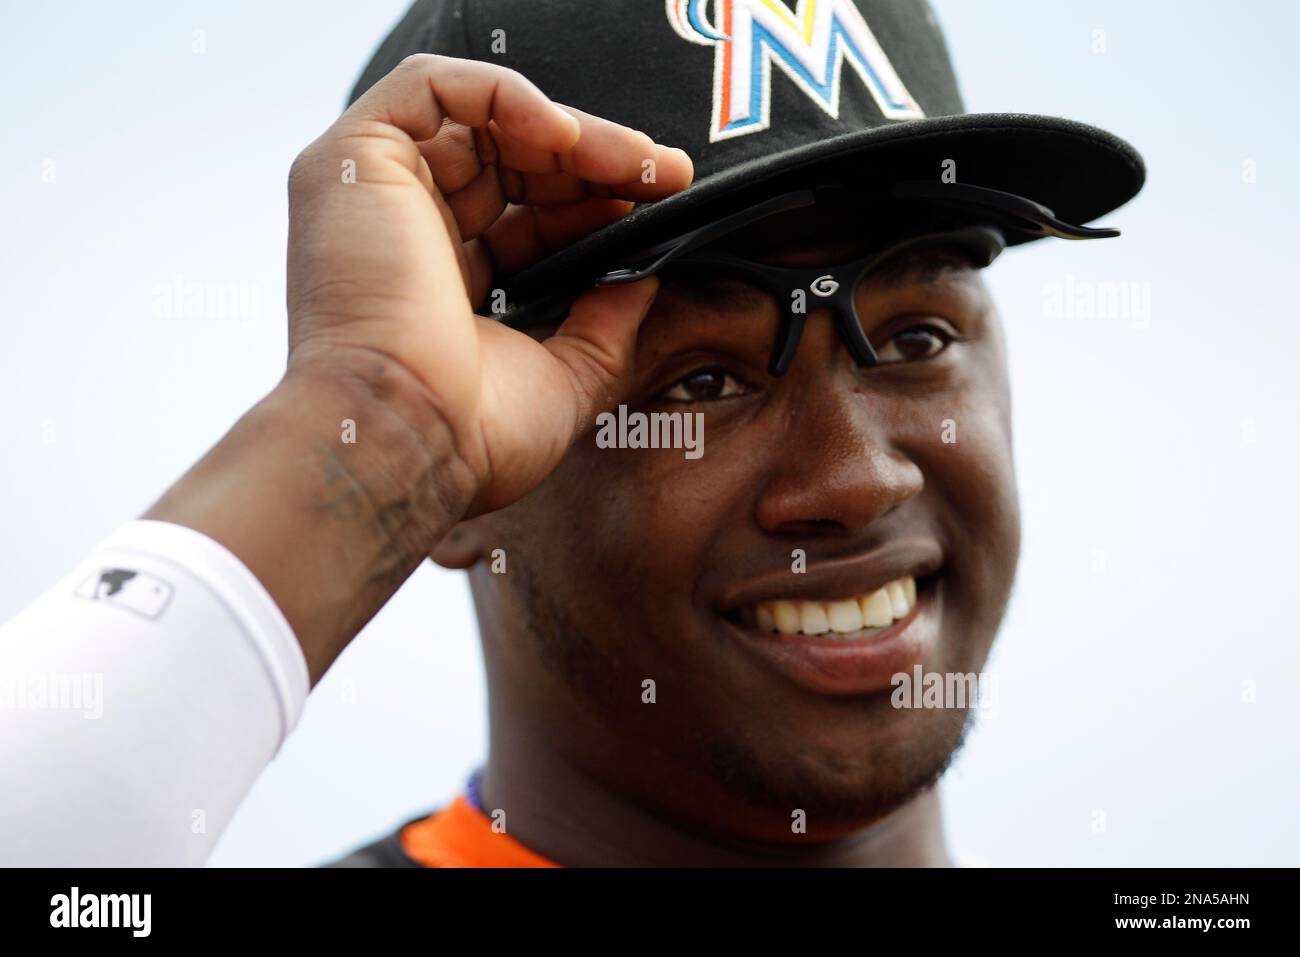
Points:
point(771, 685)
point(690, 658)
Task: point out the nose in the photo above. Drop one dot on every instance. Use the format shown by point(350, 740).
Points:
point(836, 471)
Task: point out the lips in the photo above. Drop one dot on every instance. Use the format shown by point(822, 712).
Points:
point(847, 626)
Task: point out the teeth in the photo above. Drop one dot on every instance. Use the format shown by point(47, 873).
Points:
point(844, 616)
point(813, 619)
point(898, 598)
point(882, 607)
point(787, 617)
point(877, 609)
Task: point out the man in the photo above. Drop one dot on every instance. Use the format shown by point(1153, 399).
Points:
point(725, 471)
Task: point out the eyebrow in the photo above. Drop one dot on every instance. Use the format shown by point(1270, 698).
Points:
point(724, 292)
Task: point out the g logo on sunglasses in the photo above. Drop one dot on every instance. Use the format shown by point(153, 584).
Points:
point(823, 286)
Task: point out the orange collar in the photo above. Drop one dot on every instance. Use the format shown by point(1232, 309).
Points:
point(460, 835)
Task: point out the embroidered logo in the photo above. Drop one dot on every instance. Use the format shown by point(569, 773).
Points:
point(810, 45)
point(135, 591)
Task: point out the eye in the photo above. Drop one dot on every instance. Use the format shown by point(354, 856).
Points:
point(922, 341)
point(703, 385)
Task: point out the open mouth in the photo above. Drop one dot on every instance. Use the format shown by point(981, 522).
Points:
point(846, 646)
point(852, 617)
point(847, 626)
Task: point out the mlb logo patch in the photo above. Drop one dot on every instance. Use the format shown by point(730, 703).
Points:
point(146, 595)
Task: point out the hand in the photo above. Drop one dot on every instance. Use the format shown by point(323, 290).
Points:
point(462, 168)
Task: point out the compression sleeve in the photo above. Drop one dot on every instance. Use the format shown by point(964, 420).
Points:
point(140, 698)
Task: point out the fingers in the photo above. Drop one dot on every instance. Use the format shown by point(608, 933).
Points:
point(461, 250)
point(629, 166)
point(479, 201)
point(513, 175)
point(453, 154)
point(607, 153)
point(425, 89)
point(524, 234)
point(664, 171)
point(467, 117)
point(478, 204)
point(597, 345)
point(606, 157)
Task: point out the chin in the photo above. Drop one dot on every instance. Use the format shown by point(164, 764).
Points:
point(843, 777)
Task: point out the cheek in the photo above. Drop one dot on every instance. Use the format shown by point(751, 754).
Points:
point(627, 528)
point(963, 447)
point(978, 475)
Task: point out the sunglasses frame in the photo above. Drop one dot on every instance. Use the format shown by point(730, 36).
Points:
point(834, 286)
point(999, 216)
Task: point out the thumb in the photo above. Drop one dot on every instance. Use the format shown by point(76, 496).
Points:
point(597, 345)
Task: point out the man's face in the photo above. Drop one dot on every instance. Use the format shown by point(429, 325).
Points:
point(636, 565)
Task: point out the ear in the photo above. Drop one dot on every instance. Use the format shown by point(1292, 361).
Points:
point(462, 547)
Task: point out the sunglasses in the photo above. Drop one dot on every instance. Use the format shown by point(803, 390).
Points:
point(975, 221)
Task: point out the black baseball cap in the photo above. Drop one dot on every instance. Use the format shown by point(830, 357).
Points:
point(766, 96)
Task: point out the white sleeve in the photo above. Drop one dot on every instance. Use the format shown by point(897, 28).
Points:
point(139, 700)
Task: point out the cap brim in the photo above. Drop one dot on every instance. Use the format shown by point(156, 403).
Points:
point(1077, 170)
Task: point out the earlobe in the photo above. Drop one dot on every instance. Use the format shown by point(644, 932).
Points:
point(460, 548)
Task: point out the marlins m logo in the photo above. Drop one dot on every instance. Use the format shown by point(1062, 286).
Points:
point(810, 45)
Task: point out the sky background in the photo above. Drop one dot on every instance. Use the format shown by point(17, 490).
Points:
point(1149, 666)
